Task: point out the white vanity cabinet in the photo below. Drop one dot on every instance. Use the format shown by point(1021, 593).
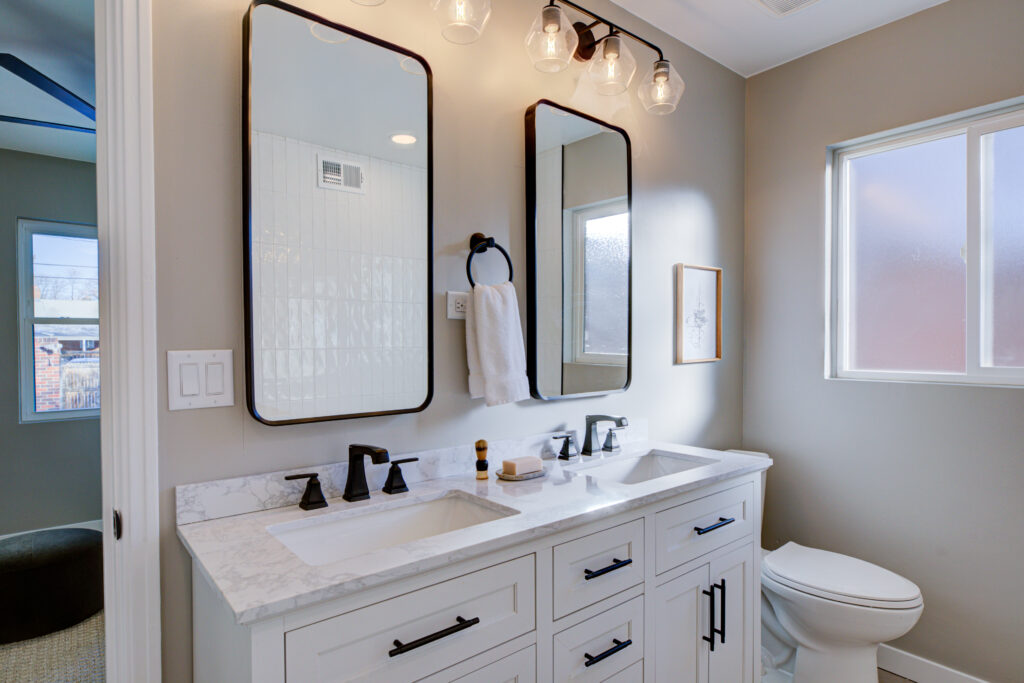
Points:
point(623, 598)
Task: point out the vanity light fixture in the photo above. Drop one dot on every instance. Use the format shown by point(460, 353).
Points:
point(369, 3)
point(612, 64)
point(552, 40)
point(462, 21)
point(403, 139)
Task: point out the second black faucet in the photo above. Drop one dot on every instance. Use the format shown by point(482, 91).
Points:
point(355, 485)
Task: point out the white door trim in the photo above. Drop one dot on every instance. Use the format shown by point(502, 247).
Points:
point(128, 366)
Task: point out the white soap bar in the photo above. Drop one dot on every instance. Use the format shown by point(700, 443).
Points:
point(523, 465)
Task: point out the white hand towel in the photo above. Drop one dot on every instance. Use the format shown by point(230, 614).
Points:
point(494, 345)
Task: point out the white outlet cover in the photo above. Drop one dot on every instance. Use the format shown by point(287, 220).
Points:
point(200, 379)
point(456, 304)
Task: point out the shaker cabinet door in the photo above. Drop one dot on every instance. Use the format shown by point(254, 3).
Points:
point(680, 623)
point(733, 658)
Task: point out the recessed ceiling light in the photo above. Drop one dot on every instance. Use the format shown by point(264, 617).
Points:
point(327, 34)
point(403, 139)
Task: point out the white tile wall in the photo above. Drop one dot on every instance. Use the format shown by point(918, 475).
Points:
point(339, 285)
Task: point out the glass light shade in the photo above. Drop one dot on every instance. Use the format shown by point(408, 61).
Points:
point(552, 40)
point(661, 88)
point(369, 3)
point(612, 66)
point(462, 21)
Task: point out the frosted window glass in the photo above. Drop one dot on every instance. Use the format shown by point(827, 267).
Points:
point(907, 229)
point(606, 285)
point(1004, 210)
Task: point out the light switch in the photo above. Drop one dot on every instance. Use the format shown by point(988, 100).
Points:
point(189, 377)
point(214, 379)
point(199, 379)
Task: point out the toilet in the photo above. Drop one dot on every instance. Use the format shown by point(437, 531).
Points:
point(823, 615)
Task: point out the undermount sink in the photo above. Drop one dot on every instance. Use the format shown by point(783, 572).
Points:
point(651, 465)
point(330, 538)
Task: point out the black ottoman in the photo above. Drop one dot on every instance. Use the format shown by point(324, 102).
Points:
point(49, 580)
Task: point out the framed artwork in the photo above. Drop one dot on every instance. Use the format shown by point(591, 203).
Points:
point(698, 314)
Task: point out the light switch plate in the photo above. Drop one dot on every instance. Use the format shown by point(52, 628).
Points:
point(457, 302)
point(200, 379)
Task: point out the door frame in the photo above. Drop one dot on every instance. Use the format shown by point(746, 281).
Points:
point(128, 325)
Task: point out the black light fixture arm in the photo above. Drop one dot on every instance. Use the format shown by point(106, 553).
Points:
point(612, 27)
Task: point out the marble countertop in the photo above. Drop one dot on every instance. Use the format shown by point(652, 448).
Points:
point(259, 577)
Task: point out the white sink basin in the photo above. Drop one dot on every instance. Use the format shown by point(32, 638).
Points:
point(651, 465)
point(333, 537)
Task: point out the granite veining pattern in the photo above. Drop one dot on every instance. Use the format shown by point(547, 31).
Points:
point(259, 577)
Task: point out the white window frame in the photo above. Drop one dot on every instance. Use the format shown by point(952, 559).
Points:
point(27, 319)
point(577, 218)
point(974, 124)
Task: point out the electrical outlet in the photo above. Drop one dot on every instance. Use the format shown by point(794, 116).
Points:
point(457, 302)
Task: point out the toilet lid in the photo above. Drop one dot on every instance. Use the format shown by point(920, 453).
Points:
point(839, 577)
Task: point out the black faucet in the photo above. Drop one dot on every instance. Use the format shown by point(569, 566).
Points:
point(592, 439)
point(355, 487)
point(313, 496)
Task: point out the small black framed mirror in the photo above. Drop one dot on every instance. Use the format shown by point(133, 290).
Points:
point(579, 250)
point(338, 187)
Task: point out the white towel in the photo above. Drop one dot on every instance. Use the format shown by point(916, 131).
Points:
point(494, 345)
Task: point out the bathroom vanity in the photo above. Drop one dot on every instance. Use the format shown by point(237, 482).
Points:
point(636, 566)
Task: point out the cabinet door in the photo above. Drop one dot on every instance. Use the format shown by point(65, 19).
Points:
point(733, 658)
point(680, 623)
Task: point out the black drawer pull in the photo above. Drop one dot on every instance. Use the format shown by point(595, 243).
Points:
point(618, 647)
point(426, 640)
point(722, 521)
point(616, 564)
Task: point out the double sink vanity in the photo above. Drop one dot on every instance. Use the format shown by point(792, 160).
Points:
point(557, 578)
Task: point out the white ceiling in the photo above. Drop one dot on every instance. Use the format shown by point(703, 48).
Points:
point(748, 38)
point(56, 38)
point(350, 95)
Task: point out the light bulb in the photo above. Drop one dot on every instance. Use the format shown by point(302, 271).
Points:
point(462, 21)
point(551, 41)
point(661, 88)
point(612, 68)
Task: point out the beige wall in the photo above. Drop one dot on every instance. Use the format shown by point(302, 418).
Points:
point(49, 471)
point(924, 479)
point(688, 192)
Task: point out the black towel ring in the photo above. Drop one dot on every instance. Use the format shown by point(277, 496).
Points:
point(478, 244)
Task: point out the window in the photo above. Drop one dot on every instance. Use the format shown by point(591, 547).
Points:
point(58, 290)
point(600, 287)
point(927, 253)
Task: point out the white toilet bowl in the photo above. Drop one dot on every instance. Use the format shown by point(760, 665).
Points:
point(836, 610)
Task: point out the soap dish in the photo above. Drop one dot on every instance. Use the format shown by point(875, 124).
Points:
point(519, 477)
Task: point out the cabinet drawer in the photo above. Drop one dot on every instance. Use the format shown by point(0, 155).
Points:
point(520, 667)
point(496, 604)
point(597, 637)
point(613, 560)
point(676, 529)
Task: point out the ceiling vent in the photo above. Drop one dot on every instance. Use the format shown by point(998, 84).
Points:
point(335, 174)
point(781, 8)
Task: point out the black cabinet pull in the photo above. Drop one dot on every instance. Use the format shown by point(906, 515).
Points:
point(711, 614)
point(716, 628)
point(619, 646)
point(722, 521)
point(426, 640)
point(721, 630)
point(616, 564)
